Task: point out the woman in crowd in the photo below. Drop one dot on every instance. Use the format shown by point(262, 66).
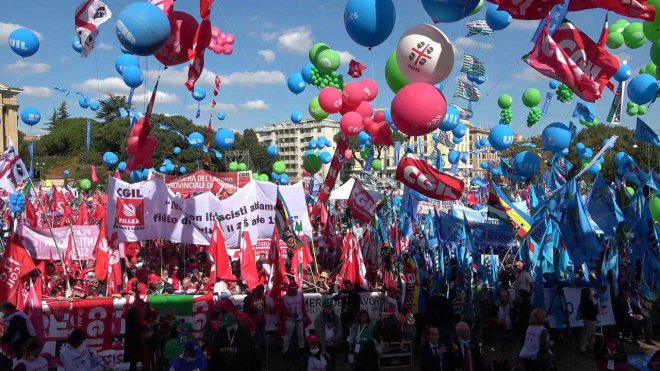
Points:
point(76, 356)
point(588, 310)
point(612, 355)
point(32, 359)
point(362, 351)
point(535, 353)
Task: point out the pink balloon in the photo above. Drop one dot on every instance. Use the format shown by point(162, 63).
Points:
point(365, 109)
point(368, 124)
point(369, 89)
point(215, 32)
point(348, 154)
point(183, 29)
point(382, 134)
point(230, 39)
point(330, 99)
point(351, 124)
point(418, 109)
point(379, 116)
point(346, 107)
point(227, 49)
point(353, 93)
point(222, 38)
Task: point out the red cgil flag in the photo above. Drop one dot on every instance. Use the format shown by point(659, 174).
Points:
point(200, 43)
point(248, 263)
point(277, 275)
point(16, 264)
point(530, 9)
point(83, 214)
point(68, 254)
point(220, 266)
point(353, 268)
point(101, 252)
point(634, 9)
point(355, 69)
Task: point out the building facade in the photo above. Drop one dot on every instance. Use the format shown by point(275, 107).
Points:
point(9, 114)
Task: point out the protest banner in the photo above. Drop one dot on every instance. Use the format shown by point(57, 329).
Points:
point(40, 244)
point(202, 181)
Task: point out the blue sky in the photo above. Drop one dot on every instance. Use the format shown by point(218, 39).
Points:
point(272, 42)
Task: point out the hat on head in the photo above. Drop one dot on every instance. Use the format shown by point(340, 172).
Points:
point(325, 273)
point(228, 320)
point(311, 339)
point(154, 279)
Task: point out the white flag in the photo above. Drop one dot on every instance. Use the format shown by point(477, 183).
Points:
point(89, 16)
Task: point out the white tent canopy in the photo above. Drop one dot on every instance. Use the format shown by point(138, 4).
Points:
point(343, 192)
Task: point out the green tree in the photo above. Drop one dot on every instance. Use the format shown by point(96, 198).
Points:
point(110, 112)
point(62, 112)
point(53, 120)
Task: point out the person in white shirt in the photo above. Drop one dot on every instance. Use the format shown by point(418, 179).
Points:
point(76, 356)
point(294, 306)
point(523, 279)
point(536, 353)
point(32, 359)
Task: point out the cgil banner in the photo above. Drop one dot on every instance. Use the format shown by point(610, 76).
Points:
point(41, 245)
point(149, 210)
point(202, 181)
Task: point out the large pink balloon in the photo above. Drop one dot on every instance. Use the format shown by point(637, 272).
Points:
point(330, 99)
point(351, 123)
point(365, 109)
point(418, 109)
point(353, 93)
point(182, 35)
point(369, 89)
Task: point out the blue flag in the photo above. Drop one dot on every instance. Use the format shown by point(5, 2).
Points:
point(546, 103)
point(550, 243)
point(557, 14)
point(539, 299)
point(645, 134)
point(31, 150)
point(584, 111)
point(89, 134)
point(397, 153)
point(576, 231)
point(602, 208)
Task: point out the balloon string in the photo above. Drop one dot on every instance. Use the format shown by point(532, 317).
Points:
point(130, 98)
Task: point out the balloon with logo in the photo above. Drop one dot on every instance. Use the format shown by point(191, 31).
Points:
point(110, 159)
point(296, 83)
point(85, 184)
point(633, 35)
point(418, 109)
point(279, 167)
point(316, 111)
point(183, 28)
point(330, 99)
point(233, 166)
point(615, 38)
point(449, 11)
point(556, 137)
point(460, 130)
point(312, 163)
point(453, 156)
point(225, 138)
point(497, 19)
point(369, 22)
point(501, 137)
point(624, 72)
point(351, 124)
point(125, 60)
point(284, 179)
point(526, 164)
point(326, 157)
point(24, 42)
point(272, 150)
point(393, 75)
point(327, 61)
point(425, 54)
point(30, 116)
point(196, 139)
point(199, 93)
point(296, 117)
point(142, 28)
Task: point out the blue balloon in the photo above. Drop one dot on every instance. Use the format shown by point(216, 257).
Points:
point(485, 165)
point(464, 157)
point(595, 168)
point(309, 152)
point(66, 172)
point(449, 11)
point(623, 73)
point(456, 140)
point(145, 173)
point(453, 156)
point(132, 76)
point(363, 136)
point(183, 170)
point(485, 142)
point(272, 150)
point(587, 154)
point(30, 116)
point(169, 167)
point(167, 161)
point(136, 175)
point(642, 88)
point(622, 158)
point(296, 83)
point(526, 164)
point(325, 141)
point(451, 120)
point(110, 159)
point(580, 146)
point(177, 150)
point(369, 22)
point(477, 79)
point(478, 144)
point(196, 139)
point(225, 138)
point(199, 93)
point(121, 167)
point(163, 169)
point(94, 105)
point(556, 137)
point(313, 143)
point(275, 176)
point(284, 179)
point(221, 116)
point(497, 19)
point(23, 42)
point(501, 137)
point(388, 116)
point(306, 73)
point(76, 45)
point(124, 61)
point(296, 117)
point(142, 28)
point(326, 157)
point(83, 101)
point(435, 137)
point(460, 130)
point(554, 84)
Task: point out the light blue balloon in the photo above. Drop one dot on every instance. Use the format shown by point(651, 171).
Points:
point(623, 73)
point(526, 164)
point(24, 42)
point(388, 116)
point(325, 142)
point(478, 144)
point(326, 157)
point(124, 61)
point(369, 22)
point(456, 140)
point(177, 150)
point(587, 154)
point(451, 120)
point(275, 176)
point(497, 19)
point(196, 139)
point(272, 150)
point(163, 169)
point(306, 73)
point(132, 76)
point(136, 175)
point(110, 159)
point(556, 137)
point(435, 137)
point(363, 137)
point(296, 83)
point(183, 170)
point(121, 167)
point(642, 88)
point(313, 143)
point(595, 168)
point(225, 138)
point(477, 79)
point(30, 116)
point(83, 101)
point(485, 165)
point(284, 179)
point(449, 11)
point(553, 84)
point(464, 157)
point(309, 152)
point(296, 117)
point(76, 45)
point(66, 172)
point(501, 137)
point(199, 93)
point(580, 146)
point(454, 156)
point(169, 167)
point(142, 28)
point(221, 116)
point(167, 161)
point(460, 130)
point(94, 105)
point(145, 173)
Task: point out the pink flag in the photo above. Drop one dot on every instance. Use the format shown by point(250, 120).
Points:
point(95, 177)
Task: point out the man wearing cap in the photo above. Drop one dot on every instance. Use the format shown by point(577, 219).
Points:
point(192, 359)
point(314, 359)
point(324, 287)
point(294, 307)
point(234, 346)
point(328, 329)
point(524, 280)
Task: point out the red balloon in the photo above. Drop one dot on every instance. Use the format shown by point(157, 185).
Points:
point(365, 109)
point(382, 134)
point(351, 124)
point(418, 109)
point(353, 93)
point(348, 154)
point(330, 99)
point(379, 116)
point(369, 89)
point(368, 124)
point(131, 165)
point(137, 130)
point(182, 35)
point(148, 163)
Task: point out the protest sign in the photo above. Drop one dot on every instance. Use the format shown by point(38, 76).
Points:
point(40, 244)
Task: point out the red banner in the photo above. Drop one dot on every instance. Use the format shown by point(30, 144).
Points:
point(530, 9)
point(425, 179)
point(361, 203)
point(202, 181)
point(335, 168)
point(634, 9)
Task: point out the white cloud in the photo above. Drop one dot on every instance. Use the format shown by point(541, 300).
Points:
point(529, 74)
point(116, 86)
point(255, 105)
point(267, 55)
point(104, 46)
point(467, 42)
point(207, 107)
point(22, 67)
point(253, 78)
point(64, 58)
point(296, 40)
point(37, 91)
point(518, 24)
point(161, 97)
point(254, 17)
point(7, 28)
point(177, 77)
point(345, 56)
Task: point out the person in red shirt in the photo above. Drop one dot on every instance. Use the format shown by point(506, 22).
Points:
point(165, 276)
point(263, 275)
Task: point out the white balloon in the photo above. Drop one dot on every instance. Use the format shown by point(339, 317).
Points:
point(425, 54)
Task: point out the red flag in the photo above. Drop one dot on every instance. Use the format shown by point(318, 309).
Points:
point(31, 214)
point(427, 180)
point(68, 254)
point(83, 214)
point(117, 175)
point(277, 275)
point(361, 203)
point(95, 178)
point(248, 264)
point(16, 264)
point(114, 266)
point(633, 8)
point(34, 302)
point(200, 43)
point(355, 69)
point(220, 266)
point(101, 252)
point(59, 205)
point(353, 268)
point(530, 9)
point(302, 258)
point(571, 57)
point(331, 177)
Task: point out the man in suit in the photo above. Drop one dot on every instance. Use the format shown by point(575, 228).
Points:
point(466, 355)
point(434, 354)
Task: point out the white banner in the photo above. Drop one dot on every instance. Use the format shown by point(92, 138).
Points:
point(40, 244)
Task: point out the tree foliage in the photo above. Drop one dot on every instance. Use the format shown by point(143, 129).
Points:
point(109, 111)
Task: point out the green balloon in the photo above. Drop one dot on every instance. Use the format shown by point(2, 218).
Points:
point(263, 177)
point(650, 69)
point(633, 35)
point(630, 191)
point(393, 75)
point(233, 166)
point(312, 163)
point(242, 166)
point(641, 110)
point(279, 167)
point(531, 97)
point(365, 152)
point(328, 61)
point(478, 8)
point(652, 29)
point(316, 111)
point(654, 205)
point(255, 176)
point(85, 184)
point(632, 111)
point(377, 165)
point(654, 52)
point(316, 50)
point(618, 26)
point(615, 40)
point(504, 101)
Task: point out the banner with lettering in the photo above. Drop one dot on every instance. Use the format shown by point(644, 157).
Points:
point(202, 181)
point(361, 203)
point(40, 244)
